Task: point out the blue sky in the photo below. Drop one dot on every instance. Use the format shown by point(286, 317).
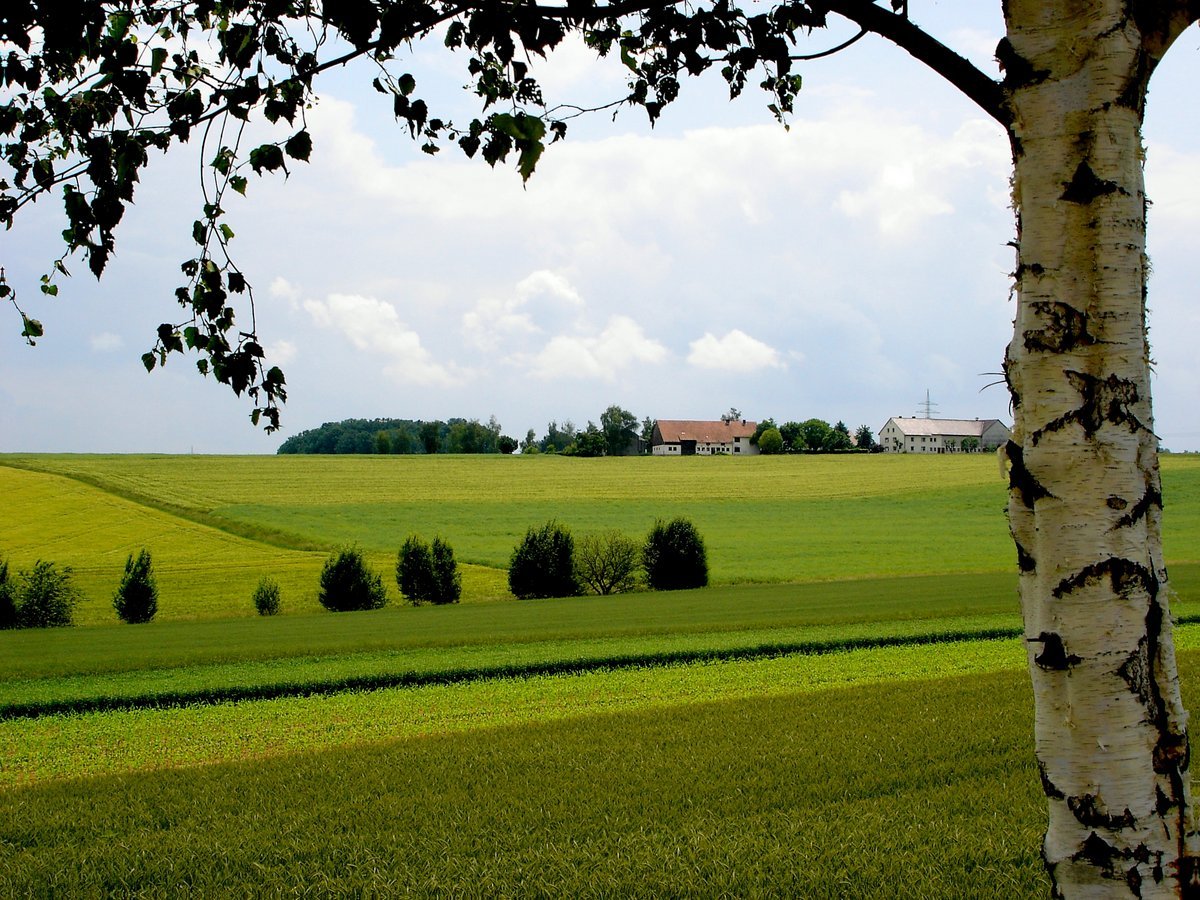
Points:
point(839, 269)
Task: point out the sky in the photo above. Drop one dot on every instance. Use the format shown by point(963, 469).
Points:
point(846, 268)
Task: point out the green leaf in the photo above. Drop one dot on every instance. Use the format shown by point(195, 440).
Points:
point(238, 183)
point(226, 232)
point(299, 146)
point(408, 84)
point(199, 234)
point(50, 289)
point(149, 361)
point(158, 58)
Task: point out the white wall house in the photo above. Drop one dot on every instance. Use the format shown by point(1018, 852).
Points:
point(913, 435)
point(677, 437)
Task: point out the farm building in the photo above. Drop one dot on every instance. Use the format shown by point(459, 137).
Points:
point(676, 437)
point(913, 435)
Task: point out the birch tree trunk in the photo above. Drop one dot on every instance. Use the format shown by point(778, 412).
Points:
point(1085, 499)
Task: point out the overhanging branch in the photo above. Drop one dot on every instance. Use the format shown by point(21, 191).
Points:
point(960, 72)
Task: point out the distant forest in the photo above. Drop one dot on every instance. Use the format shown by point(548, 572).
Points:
point(401, 436)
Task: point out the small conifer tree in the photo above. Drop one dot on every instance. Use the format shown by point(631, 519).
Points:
point(136, 600)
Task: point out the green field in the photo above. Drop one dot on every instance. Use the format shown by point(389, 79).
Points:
point(850, 689)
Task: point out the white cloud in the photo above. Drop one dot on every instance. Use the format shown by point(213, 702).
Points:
point(373, 326)
point(283, 289)
point(106, 342)
point(281, 352)
point(601, 356)
point(735, 352)
point(495, 319)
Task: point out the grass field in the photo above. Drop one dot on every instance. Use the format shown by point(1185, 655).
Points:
point(845, 714)
point(215, 524)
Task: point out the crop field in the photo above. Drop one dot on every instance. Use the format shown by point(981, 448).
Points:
point(844, 713)
point(764, 520)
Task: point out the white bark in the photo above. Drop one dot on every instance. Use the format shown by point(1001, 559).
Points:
point(1085, 502)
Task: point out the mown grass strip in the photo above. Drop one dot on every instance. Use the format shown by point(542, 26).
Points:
point(323, 677)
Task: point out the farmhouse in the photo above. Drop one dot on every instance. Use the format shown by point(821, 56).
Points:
point(678, 437)
point(913, 435)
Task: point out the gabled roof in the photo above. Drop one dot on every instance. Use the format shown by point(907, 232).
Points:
point(672, 431)
point(943, 427)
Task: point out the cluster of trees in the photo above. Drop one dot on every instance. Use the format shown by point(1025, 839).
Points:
point(812, 436)
point(45, 596)
point(384, 436)
point(618, 434)
point(549, 562)
point(425, 573)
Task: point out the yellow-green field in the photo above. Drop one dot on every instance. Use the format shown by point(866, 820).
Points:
point(216, 524)
point(852, 687)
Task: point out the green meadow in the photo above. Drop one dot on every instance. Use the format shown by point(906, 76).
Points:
point(843, 713)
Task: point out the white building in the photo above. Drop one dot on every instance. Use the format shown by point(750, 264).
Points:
point(913, 435)
point(677, 437)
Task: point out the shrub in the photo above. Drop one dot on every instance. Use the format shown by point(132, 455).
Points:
point(347, 583)
point(543, 564)
point(607, 562)
point(674, 556)
point(414, 570)
point(45, 597)
point(770, 441)
point(8, 601)
point(266, 596)
point(447, 581)
point(136, 600)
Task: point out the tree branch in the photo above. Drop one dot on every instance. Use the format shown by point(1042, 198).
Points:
point(987, 93)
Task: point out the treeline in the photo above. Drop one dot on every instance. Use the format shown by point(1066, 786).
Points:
point(402, 436)
point(812, 436)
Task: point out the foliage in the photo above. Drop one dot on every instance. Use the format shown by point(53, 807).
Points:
point(793, 436)
point(45, 596)
point(347, 583)
point(8, 604)
point(839, 438)
point(543, 564)
point(619, 427)
point(674, 556)
point(589, 442)
point(428, 574)
point(607, 562)
point(732, 415)
point(970, 444)
point(136, 600)
point(558, 438)
point(507, 445)
point(770, 442)
point(864, 439)
point(397, 436)
point(759, 429)
point(266, 596)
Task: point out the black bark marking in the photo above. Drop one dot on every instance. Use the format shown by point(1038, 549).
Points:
point(1018, 72)
point(1135, 672)
point(1099, 852)
point(1088, 810)
point(1025, 562)
point(1104, 401)
point(1152, 499)
point(1085, 186)
point(1065, 328)
point(1020, 478)
point(1124, 575)
point(1048, 787)
point(1054, 653)
point(1188, 873)
point(1162, 803)
point(1118, 503)
point(1133, 878)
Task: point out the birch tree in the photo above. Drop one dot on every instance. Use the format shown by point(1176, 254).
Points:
point(94, 86)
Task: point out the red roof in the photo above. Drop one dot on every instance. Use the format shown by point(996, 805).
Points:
point(674, 431)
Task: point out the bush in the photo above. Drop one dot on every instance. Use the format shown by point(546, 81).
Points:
point(543, 564)
point(447, 581)
point(347, 583)
point(414, 571)
point(8, 601)
point(136, 600)
point(45, 597)
point(266, 596)
point(607, 562)
point(770, 442)
point(674, 556)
